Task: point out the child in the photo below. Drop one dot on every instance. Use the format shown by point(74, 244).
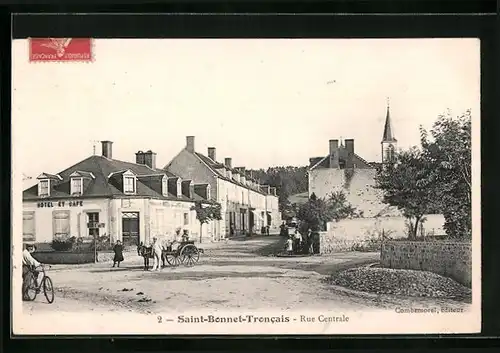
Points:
point(118, 249)
point(289, 245)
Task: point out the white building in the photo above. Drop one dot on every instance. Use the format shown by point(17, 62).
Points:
point(101, 196)
point(246, 205)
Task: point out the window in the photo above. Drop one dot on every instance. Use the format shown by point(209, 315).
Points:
point(390, 153)
point(164, 186)
point(61, 223)
point(43, 189)
point(159, 222)
point(186, 219)
point(93, 224)
point(208, 193)
point(28, 226)
point(76, 186)
point(128, 184)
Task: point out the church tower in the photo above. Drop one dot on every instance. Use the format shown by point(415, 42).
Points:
point(389, 142)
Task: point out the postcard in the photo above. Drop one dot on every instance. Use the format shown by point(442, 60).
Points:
point(246, 186)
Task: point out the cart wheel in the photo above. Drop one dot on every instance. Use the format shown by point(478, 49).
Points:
point(30, 290)
point(48, 289)
point(173, 260)
point(190, 255)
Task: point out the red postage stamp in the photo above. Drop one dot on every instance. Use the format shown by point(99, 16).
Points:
point(60, 49)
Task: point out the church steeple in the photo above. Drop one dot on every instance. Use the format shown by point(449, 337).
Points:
point(388, 135)
point(388, 140)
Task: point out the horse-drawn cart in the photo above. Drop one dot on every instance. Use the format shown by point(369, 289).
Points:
point(175, 254)
point(186, 253)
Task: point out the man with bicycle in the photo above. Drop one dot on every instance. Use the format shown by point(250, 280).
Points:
point(29, 265)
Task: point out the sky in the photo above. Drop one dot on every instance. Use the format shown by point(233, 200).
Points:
point(262, 102)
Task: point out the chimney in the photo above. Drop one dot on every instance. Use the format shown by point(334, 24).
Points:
point(334, 155)
point(190, 143)
point(211, 153)
point(228, 162)
point(139, 158)
point(349, 146)
point(107, 149)
point(150, 159)
point(241, 171)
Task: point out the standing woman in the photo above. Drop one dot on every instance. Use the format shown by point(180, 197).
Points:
point(118, 249)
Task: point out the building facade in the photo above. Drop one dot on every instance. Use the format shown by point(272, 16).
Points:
point(343, 170)
point(104, 197)
point(246, 205)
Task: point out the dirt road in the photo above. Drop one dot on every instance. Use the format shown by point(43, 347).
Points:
point(232, 275)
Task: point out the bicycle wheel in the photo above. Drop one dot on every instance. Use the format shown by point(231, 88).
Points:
point(30, 290)
point(48, 289)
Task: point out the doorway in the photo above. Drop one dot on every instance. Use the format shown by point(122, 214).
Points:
point(130, 228)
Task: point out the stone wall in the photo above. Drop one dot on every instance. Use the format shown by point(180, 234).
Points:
point(392, 227)
point(344, 234)
point(328, 243)
point(449, 259)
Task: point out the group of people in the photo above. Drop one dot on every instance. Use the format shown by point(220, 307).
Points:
point(297, 243)
point(153, 250)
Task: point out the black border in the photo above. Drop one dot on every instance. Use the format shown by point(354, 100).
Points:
point(272, 26)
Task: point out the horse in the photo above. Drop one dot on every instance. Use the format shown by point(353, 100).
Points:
point(147, 253)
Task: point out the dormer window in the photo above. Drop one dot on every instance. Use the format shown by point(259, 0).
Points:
point(44, 187)
point(76, 186)
point(78, 181)
point(128, 184)
point(164, 186)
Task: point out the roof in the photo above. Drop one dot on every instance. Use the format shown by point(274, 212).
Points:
point(104, 186)
point(214, 166)
point(388, 135)
point(324, 162)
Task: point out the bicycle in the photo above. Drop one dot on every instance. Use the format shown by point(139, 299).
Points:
point(30, 290)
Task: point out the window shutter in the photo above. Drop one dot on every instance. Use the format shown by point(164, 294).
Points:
point(61, 224)
point(29, 226)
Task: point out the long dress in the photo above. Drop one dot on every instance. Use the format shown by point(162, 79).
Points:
point(118, 249)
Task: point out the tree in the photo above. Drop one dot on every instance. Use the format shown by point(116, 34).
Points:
point(316, 212)
point(408, 185)
point(339, 207)
point(206, 211)
point(448, 151)
point(287, 180)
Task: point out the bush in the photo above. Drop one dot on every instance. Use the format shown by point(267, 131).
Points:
point(76, 245)
point(102, 243)
point(372, 241)
point(63, 244)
